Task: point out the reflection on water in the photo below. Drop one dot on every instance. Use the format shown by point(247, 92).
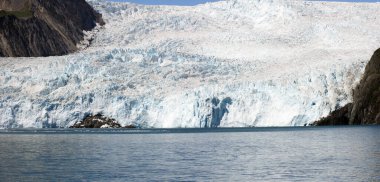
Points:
point(250, 154)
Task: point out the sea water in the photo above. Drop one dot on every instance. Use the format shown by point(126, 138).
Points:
point(224, 154)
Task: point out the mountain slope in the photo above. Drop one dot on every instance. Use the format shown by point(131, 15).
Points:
point(366, 107)
point(44, 28)
point(230, 63)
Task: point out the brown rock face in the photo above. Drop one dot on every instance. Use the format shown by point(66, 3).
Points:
point(97, 121)
point(366, 104)
point(365, 108)
point(31, 28)
point(14, 5)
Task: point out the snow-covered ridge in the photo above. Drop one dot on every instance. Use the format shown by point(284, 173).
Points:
point(229, 63)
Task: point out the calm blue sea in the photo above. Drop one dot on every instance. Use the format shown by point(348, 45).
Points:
point(232, 154)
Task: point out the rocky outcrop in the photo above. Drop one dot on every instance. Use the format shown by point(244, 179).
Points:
point(338, 117)
point(31, 28)
point(365, 108)
point(97, 121)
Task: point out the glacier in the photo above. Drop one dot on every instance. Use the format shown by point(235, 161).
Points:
point(233, 63)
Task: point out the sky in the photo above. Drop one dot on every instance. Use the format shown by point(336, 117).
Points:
point(194, 2)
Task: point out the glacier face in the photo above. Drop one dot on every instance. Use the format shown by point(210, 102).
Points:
point(232, 63)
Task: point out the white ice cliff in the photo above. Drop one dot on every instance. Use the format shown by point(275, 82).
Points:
point(232, 63)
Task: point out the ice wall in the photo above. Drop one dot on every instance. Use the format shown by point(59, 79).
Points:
point(189, 92)
point(229, 64)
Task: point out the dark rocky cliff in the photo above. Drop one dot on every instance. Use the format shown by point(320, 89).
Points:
point(99, 121)
point(365, 108)
point(366, 103)
point(31, 28)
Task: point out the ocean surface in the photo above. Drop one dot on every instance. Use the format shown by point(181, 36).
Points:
point(229, 154)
